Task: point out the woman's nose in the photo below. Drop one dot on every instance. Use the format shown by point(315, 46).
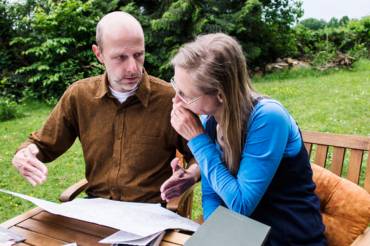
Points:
point(176, 99)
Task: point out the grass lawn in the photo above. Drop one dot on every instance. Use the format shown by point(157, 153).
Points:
point(333, 101)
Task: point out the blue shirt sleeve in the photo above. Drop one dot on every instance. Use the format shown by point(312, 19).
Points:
point(267, 137)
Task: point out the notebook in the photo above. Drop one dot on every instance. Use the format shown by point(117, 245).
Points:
point(225, 227)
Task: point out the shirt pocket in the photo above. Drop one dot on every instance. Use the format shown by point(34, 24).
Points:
point(147, 155)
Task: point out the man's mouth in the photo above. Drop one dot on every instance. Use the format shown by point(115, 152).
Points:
point(132, 79)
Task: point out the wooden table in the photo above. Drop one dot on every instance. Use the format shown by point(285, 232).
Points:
point(43, 228)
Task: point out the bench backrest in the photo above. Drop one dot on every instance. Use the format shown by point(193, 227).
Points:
point(334, 151)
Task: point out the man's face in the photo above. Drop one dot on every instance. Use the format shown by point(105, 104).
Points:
point(123, 58)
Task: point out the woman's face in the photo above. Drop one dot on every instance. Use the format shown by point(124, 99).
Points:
point(190, 97)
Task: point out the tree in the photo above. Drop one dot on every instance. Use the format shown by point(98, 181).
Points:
point(57, 44)
point(333, 22)
point(53, 38)
point(344, 21)
point(313, 24)
point(264, 28)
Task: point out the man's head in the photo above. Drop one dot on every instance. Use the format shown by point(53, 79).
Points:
point(120, 48)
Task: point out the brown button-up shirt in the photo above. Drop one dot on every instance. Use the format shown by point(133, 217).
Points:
point(127, 147)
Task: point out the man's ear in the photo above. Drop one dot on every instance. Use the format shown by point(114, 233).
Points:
point(98, 53)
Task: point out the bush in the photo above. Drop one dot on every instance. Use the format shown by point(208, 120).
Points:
point(52, 39)
point(45, 45)
point(359, 51)
point(352, 37)
point(57, 45)
point(8, 109)
point(326, 54)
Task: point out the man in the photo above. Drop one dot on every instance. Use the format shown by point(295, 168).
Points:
point(122, 119)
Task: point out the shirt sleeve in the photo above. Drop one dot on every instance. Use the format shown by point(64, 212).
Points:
point(210, 199)
point(266, 141)
point(58, 132)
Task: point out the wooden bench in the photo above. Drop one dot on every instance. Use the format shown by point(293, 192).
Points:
point(331, 151)
point(344, 155)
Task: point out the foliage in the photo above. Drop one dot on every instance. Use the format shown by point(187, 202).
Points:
point(51, 40)
point(45, 45)
point(321, 45)
point(358, 51)
point(56, 43)
point(315, 24)
point(262, 27)
point(8, 109)
point(5, 35)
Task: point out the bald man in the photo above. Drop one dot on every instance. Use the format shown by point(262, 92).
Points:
point(122, 119)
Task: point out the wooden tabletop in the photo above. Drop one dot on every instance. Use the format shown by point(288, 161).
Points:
point(43, 228)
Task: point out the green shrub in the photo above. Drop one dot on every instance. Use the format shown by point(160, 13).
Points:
point(57, 45)
point(45, 45)
point(321, 45)
point(51, 40)
point(325, 55)
point(8, 109)
point(359, 51)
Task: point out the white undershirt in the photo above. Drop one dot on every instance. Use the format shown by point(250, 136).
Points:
point(122, 96)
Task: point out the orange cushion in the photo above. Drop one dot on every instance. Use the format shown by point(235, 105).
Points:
point(345, 206)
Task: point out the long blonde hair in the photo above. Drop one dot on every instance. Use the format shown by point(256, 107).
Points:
point(217, 65)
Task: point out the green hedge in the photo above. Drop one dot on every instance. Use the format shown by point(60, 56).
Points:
point(45, 45)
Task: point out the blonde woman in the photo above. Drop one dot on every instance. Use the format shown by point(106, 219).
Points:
point(249, 149)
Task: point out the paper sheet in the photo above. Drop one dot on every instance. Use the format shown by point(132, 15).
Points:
point(122, 237)
point(143, 219)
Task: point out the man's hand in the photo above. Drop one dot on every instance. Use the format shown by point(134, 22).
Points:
point(27, 164)
point(180, 180)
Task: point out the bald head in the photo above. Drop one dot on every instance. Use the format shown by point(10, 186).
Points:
point(118, 22)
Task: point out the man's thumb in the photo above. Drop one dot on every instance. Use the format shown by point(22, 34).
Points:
point(33, 149)
point(175, 164)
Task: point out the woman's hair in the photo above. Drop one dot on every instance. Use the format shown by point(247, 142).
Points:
point(217, 65)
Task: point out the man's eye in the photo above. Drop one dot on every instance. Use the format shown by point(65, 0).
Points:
point(138, 55)
point(122, 58)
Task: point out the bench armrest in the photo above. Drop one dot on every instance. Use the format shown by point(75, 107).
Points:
point(72, 191)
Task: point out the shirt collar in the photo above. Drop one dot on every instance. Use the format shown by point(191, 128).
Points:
point(142, 92)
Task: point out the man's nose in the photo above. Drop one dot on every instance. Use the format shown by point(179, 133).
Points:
point(132, 65)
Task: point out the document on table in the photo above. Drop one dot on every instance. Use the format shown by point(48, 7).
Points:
point(140, 219)
point(122, 237)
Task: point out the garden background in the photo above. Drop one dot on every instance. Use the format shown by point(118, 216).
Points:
point(46, 45)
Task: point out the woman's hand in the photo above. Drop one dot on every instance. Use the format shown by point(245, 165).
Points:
point(185, 122)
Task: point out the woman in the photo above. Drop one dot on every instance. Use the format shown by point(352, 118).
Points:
point(249, 149)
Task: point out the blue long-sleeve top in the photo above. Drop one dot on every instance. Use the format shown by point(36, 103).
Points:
point(271, 135)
